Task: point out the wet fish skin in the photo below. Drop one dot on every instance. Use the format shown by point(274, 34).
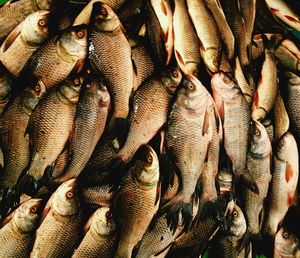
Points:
point(6, 86)
point(284, 182)
point(150, 110)
point(235, 113)
point(91, 116)
point(287, 58)
point(101, 238)
point(22, 42)
point(281, 118)
point(61, 162)
point(106, 28)
point(286, 244)
point(259, 165)
point(57, 58)
point(62, 220)
point(137, 200)
point(52, 119)
point(97, 195)
point(208, 34)
point(186, 44)
point(17, 235)
point(268, 124)
point(14, 13)
point(224, 178)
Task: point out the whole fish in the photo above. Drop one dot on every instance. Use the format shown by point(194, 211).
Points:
point(150, 110)
point(85, 15)
point(159, 29)
point(106, 34)
point(234, 111)
point(208, 34)
point(225, 32)
point(17, 235)
point(49, 128)
point(292, 93)
point(230, 243)
point(267, 87)
point(14, 13)
point(284, 183)
point(186, 44)
point(286, 244)
point(190, 131)
point(137, 200)
point(6, 86)
point(143, 62)
point(97, 195)
point(62, 219)
point(259, 165)
point(281, 118)
point(57, 57)
point(91, 116)
point(22, 42)
point(100, 239)
point(13, 141)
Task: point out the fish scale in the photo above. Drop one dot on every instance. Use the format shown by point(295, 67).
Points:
point(98, 195)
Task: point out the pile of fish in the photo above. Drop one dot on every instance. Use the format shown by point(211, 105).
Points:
point(149, 128)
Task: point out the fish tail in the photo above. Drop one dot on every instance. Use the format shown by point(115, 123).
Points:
point(9, 200)
point(118, 128)
point(272, 43)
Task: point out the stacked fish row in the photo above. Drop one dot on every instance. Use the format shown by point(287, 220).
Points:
point(148, 128)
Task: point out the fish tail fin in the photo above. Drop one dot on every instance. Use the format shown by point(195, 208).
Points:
point(118, 128)
point(9, 200)
point(273, 42)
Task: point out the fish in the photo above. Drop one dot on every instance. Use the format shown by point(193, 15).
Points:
point(268, 124)
point(224, 178)
point(84, 17)
point(91, 116)
point(106, 34)
point(62, 219)
point(257, 48)
point(17, 234)
point(143, 62)
point(230, 243)
point(97, 195)
point(14, 143)
point(159, 29)
point(286, 244)
point(6, 88)
point(186, 44)
point(291, 99)
point(259, 165)
point(57, 58)
point(151, 103)
point(190, 130)
point(208, 34)
point(49, 128)
point(281, 118)
point(283, 186)
point(100, 239)
point(61, 162)
point(15, 12)
point(22, 42)
point(235, 114)
point(267, 88)
point(137, 200)
point(284, 13)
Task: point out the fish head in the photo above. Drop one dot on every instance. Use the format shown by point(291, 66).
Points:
point(224, 86)
point(74, 40)
point(103, 223)
point(103, 18)
point(27, 216)
point(147, 165)
point(225, 180)
point(70, 89)
point(238, 223)
point(212, 59)
point(35, 28)
point(171, 78)
point(5, 85)
point(284, 146)
point(286, 244)
point(97, 87)
point(192, 95)
point(32, 95)
point(260, 143)
point(65, 199)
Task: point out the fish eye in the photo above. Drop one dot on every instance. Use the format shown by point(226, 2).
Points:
point(191, 86)
point(280, 143)
point(175, 73)
point(77, 81)
point(226, 79)
point(42, 23)
point(149, 159)
point(37, 88)
point(195, 74)
point(33, 209)
point(285, 234)
point(257, 132)
point(69, 194)
point(103, 11)
point(80, 34)
point(235, 213)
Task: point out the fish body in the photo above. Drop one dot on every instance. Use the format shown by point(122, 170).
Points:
point(284, 183)
point(6, 86)
point(97, 195)
point(22, 42)
point(150, 110)
point(281, 118)
point(101, 238)
point(62, 219)
point(136, 202)
point(17, 235)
